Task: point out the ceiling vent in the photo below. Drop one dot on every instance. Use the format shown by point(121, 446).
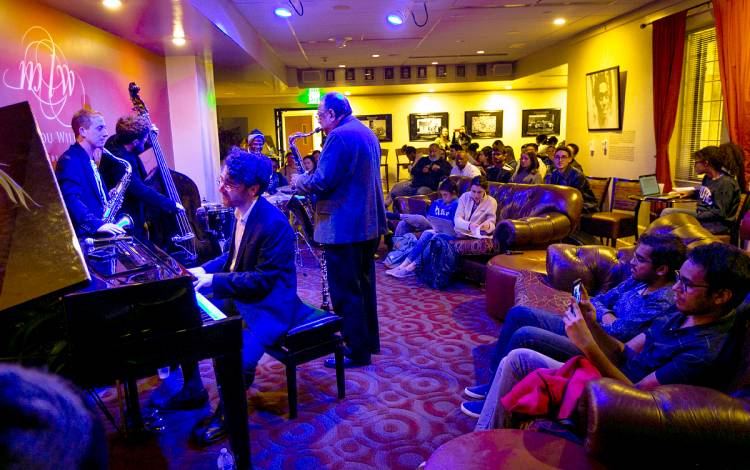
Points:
point(504, 70)
point(311, 76)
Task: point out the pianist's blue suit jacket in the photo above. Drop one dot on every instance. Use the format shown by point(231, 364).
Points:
point(263, 286)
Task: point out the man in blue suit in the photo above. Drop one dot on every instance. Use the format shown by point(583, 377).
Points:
point(349, 220)
point(257, 278)
point(78, 176)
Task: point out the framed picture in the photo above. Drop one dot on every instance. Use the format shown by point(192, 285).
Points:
point(380, 124)
point(481, 70)
point(369, 74)
point(349, 75)
point(603, 99)
point(441, 71)
point(405, 73)
point(330, 75)
point(422, 72)
point(484, 124)
point(540, 121)
point(388, 73)
point(426, 126)
point(460, 71)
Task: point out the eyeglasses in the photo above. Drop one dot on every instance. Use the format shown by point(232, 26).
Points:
point(560, 157)
point(230, 186)
point(685, 283)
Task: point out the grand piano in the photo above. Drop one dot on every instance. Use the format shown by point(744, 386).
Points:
point(99, 310)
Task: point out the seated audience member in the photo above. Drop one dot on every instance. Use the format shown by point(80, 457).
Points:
point(443, 140)
point(528, 168)
point(452, 152)
point(463, 167)
point(461, 138)
point(510, 157)
point(443, 208)
point(719, 192)
point(499, 172)
point(574, 151)
point(477, 210)
point(310, 164)
point(473, 153)
point(565, 175)
point(426, 173)
point(680, 347)
point(498, 146)
point(484, 158)
point(291, 166)
point(46, 424)
point(623, 312)
point(277, 179)
point(316, 155)
point(540, 140)
point(734, 163)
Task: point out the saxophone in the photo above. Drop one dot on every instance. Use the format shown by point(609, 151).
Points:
point(323, 264)
point(116, 197)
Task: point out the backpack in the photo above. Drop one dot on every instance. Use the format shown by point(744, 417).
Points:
point(438, 263)
point(402, 246)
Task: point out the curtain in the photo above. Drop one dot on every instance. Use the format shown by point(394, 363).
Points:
point(732, 18)
point(668, 44)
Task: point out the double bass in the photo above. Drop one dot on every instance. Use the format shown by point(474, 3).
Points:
point(180, 235)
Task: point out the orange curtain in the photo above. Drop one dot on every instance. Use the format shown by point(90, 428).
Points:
point(732, 19)
point(668, 50)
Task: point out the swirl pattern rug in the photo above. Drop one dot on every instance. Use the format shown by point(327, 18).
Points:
point(397, 411)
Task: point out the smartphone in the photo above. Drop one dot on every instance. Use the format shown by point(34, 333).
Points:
point(577, 290)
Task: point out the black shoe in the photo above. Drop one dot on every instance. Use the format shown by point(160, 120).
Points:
point(204, 434)
point(184, 400)
point(348, 363)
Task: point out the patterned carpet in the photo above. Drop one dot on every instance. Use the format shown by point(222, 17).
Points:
point(396, 413)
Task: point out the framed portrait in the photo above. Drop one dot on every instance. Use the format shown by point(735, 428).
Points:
point(484, 124)
point(426, 126)
point(380, 124)
point(422, 72)
point(460, 71)
point(481, 70)
point(405, 73)
point(369, 74)
point(388, 73)
point(603, 99)
point(330, 75)
point(349, 75)
point(441, 71)
point(540, 121)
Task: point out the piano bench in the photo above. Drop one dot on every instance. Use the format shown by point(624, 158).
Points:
point(306, 342)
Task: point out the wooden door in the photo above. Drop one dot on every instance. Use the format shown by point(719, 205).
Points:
point(293, 124)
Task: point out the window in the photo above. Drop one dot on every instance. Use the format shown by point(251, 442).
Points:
point(702, 102)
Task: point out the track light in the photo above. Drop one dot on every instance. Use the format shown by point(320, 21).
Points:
point(282, 12)
point(396, 19)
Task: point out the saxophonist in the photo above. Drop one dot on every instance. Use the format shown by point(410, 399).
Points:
point(77, 174)
point(130, 140)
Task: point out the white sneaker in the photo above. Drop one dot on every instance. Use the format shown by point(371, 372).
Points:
point(403, 273)
point(392, 272)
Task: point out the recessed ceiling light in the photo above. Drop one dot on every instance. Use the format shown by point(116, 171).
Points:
point(395, 19)
point(480, 52)
point(376, 56)
point(434, 63)
point(341, 66)
point(348, 93)
point(508, 87)
point(178, 41)
point(112, 4)
point(431, 90)
point(282, 12)
point(559, 21)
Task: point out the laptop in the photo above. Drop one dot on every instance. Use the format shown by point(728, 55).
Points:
point(441, 225)
point(650, 188)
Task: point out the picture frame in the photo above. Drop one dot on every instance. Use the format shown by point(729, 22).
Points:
point(425, 127)
point(388, 73)
point(540, 121)
point(369, 74)
point(441, 71)
point(380, 124)
point(484, 124)
point(603, 100)
point(406, 72)
point(330, 75)
point(422, 72)
point(350, 75)
point(460, 71)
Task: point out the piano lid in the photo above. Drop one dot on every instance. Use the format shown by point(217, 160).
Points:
point(39, 253)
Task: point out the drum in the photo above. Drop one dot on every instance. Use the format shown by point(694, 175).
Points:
point(279, 200)
point(216, 220)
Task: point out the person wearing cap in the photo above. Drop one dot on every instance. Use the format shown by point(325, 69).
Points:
point(255, 141)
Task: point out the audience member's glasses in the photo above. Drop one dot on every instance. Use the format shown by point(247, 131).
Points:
point(685, 283)
point(560, 157)
point(227, 184)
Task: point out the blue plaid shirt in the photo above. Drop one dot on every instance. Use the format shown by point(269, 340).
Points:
point(634, 311)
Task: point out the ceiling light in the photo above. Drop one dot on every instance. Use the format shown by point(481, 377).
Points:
point(434, 63)
point(178, 41)
point(282, 12)
point(341, 66)
point(480, 52)
point(559, 21)
point(348, 93)
point(112, 4)
point(376, 56)
point(431, 90)
point(508, 87)
point(395, 19)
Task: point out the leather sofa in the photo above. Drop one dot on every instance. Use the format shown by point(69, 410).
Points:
point(543, 278)
point(528, 217)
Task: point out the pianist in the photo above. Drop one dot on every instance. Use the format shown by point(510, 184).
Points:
point(257, 279)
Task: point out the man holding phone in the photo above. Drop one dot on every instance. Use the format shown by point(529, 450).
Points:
point(623, 312)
